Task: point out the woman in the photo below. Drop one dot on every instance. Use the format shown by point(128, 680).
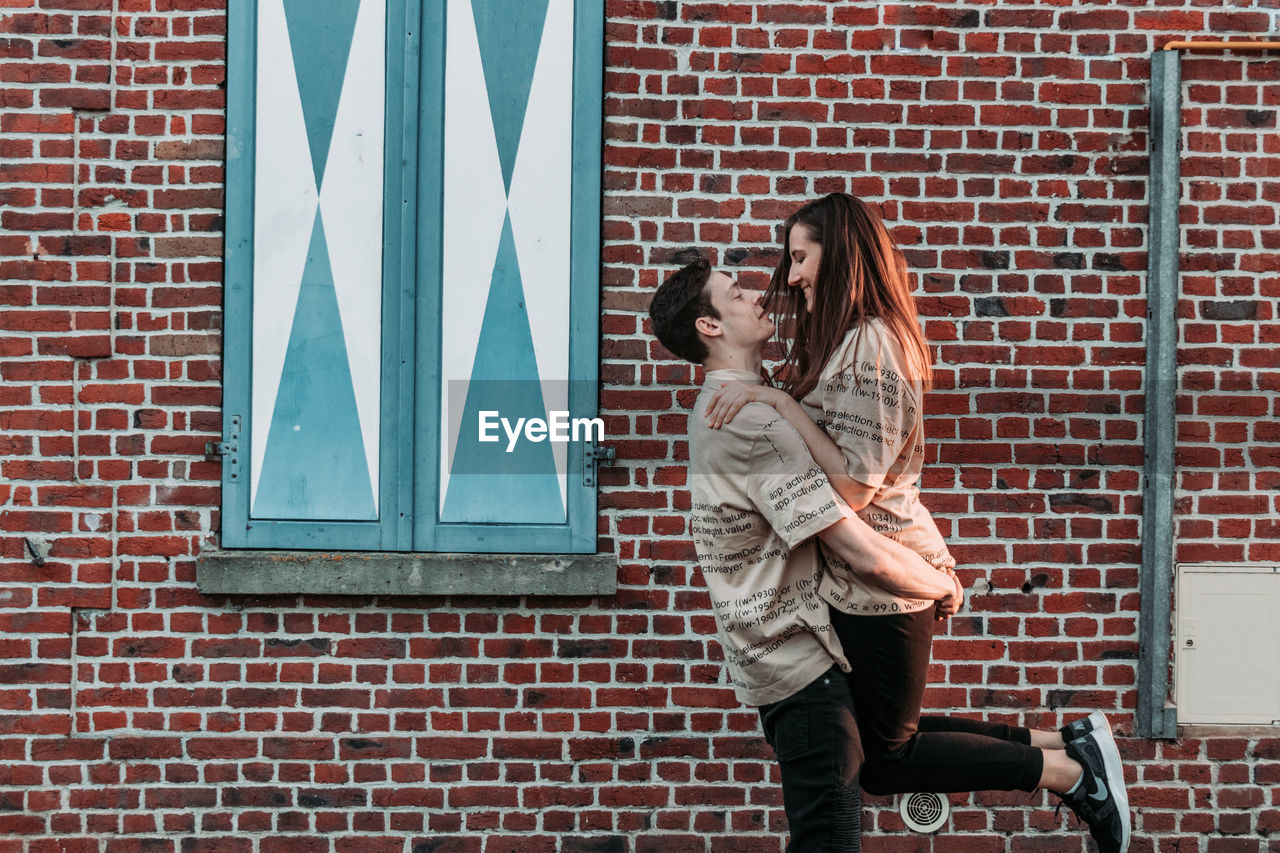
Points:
point(857, 365)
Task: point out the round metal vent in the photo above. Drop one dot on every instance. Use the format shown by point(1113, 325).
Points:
point(924, 812)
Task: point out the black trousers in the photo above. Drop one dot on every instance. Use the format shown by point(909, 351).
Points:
point(815, 736)
point(904, 752)
point(827, 752)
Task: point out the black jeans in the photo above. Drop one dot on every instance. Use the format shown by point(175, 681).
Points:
point(905, 752)
point(815, 736)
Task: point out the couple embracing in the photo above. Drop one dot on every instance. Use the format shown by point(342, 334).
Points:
point(825, 571)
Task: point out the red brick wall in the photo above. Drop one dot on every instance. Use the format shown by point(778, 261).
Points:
point(1229, 372)
point(1006, 144)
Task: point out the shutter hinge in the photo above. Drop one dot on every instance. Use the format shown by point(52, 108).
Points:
point(229, 448)
point(592, 455)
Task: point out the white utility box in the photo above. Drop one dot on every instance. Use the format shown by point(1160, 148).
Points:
point(1227, 644)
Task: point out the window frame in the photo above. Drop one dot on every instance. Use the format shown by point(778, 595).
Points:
point(411, 295)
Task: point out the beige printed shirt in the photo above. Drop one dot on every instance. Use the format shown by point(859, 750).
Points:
point(758, 500)
point(868, 401)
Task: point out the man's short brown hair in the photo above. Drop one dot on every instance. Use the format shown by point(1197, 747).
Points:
point(676, 307)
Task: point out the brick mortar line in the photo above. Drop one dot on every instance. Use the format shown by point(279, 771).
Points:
point(113, 23)
point(74, 676)
point(77, 380)
point(114, 532)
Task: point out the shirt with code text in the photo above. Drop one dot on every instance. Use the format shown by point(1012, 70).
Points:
point(758, 500)
point(868, 399)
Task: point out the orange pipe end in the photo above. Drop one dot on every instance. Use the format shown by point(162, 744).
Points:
point(1223, 45)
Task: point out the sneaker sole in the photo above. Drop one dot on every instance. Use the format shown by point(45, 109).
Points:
point(1115, 770)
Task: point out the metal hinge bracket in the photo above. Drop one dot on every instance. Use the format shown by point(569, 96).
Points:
point(592, 455)
point(228, 448)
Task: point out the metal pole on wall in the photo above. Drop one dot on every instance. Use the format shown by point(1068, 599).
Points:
point(1157, 716)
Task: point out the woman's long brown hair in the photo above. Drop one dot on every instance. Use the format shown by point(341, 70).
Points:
point(862, 275)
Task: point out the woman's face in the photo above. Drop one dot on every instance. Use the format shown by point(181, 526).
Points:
point(806, 255)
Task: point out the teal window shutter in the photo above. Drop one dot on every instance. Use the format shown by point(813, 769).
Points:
point(511, 232)
point(412, 247)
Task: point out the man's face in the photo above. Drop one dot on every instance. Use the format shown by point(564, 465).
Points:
point(741, 319)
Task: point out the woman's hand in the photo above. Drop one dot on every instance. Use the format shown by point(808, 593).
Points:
point(732, 396)
point(951, 604)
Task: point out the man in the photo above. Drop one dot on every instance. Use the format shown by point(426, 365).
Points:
point(759, 500)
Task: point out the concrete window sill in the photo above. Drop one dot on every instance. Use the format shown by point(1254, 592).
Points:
point(1203, 730)
point(315, 573)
